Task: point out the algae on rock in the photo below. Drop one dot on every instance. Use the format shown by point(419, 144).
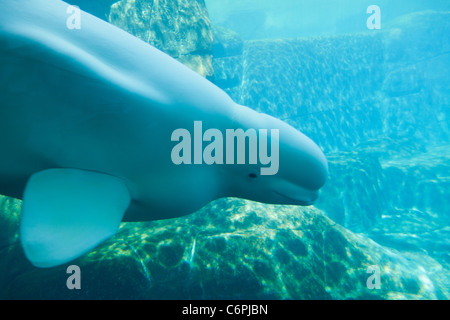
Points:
point(179, 28)
point(234, 249)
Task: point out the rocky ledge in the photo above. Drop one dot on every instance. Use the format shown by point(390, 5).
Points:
point(231, 249)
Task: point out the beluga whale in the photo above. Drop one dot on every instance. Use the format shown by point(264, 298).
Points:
point(90, 120)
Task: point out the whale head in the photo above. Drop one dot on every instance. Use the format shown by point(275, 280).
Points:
point(300, 170)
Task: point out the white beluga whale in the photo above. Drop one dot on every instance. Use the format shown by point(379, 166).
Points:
point(87, 118)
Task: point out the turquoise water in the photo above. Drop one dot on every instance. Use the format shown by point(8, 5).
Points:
point(376, 101)
point(254, 19)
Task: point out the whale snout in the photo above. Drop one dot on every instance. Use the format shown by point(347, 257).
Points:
point(305, 166)
point(301, 160)
point(290, 193)
point(303, 170)
point(318, 169)
point(301, 198)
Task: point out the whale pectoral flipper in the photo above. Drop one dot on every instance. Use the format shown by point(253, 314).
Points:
point(67, 212)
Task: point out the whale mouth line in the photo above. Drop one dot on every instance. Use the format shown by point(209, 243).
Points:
point(297, 201)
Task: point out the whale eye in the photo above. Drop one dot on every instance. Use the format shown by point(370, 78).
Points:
point(253, 175)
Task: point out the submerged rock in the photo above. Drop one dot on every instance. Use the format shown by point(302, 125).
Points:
point(228, 61)
point(9, 220)
point(231, 249)
point(226, 42)
point(418, 186)
point(177, 27)
point(417, 37)
point(354, 195)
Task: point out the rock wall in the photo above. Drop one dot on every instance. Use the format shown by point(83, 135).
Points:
point(346, 89)
point(363, 98)
point(180, 28)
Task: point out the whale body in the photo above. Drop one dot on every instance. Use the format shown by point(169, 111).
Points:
point(86, 119)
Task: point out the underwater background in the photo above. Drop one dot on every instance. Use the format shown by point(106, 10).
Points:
point(376, 101)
